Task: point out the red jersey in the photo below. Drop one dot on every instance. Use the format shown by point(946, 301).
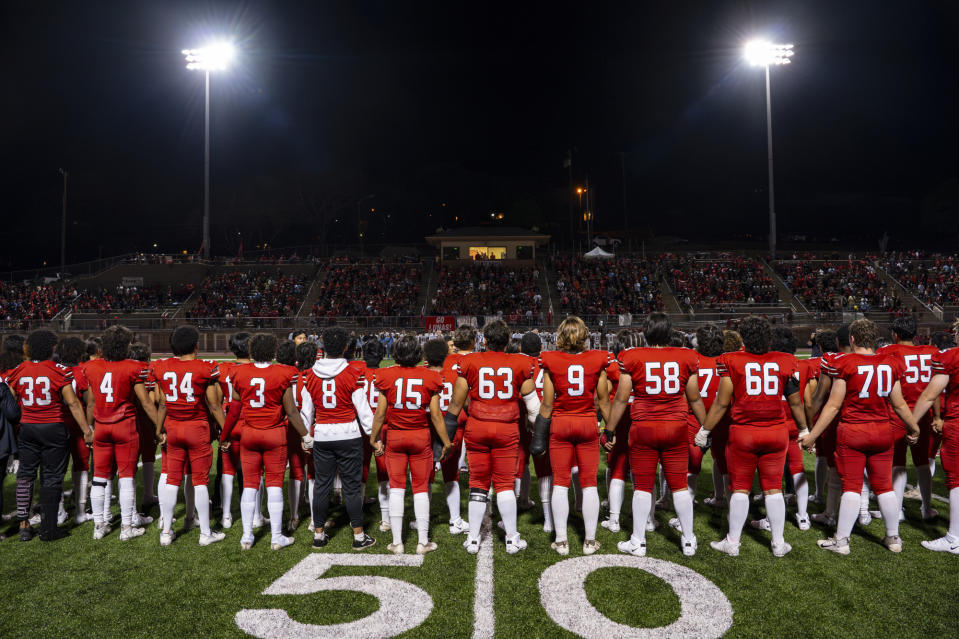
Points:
point(261, 388)
point(37, 386)
point(708, 378)
point(495, 379)
point(575, 376)
point(449, 374)
point(332, 397)
point(869, 380)
point(917, 363)
point(183, 384)
point(759, 382)
point(659, 378)
point(366, 381)
point(226, 384)
point(408, 393)
point(80, 386)
point(112, 386)
point(947, 363)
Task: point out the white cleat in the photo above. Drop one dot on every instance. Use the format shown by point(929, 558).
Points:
point(62, 517)
point(943, 544)
point(633, 546)
point(590, 546)
point(725, 545)
point(611, 525)
point(422, 549)
point(259, 521)
point(864, 518)
point(212, 538)
point(226, 521)
point(166, 538)
point(141, 520)
point(385, 526)
point(396, 549)
point(675, 524)
point(101, 530)
point(459, 527)
point(280, 541)
point(561, 547)
point(82, 518)
point(246, 542)
point(761, 524)
point(838, 546)
point(715, 502)
point(129, 532)
point(780, 550)
point(893, 543)
point(802, 522)
point(824, 519)
point(472, 545)
point(690, 546)
point(34, 520)
point(548, 527)
point(515, 544)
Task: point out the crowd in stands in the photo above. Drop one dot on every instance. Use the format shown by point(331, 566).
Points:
point(234, 294)
point(719, 283)
point(839, 285)
point(606, 287)
point(125, 299)
point(934, 278)
point(25, 301)
point(370, 288)
point(488, 288)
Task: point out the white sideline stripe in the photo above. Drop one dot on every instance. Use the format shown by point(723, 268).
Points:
point(484, 621)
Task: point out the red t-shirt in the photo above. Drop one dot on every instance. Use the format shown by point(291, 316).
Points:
point(112, 386)
point(869, 380)
point(261, 389)
point(575, 376)
point(917, 363)
point(408, 393)
point(659, 377)
point(947, 363)
point(183, 384)
point(333, 397)
point(38, 386)
point(759, 382)
point(707, 376)
point(495, 379)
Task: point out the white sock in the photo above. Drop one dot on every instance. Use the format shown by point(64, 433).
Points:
point(274, 504)
point(889, 507)
point(247, 508)
point(96, 500)
point(899, 483)
point(524, 482)
point(642, 505)
point(477, 511)
point(309, 489)
point(932, 466)
point(160, 491)
point(107, 498)
point(834, 494)
point(617, 492)
point(560, 503)
point(776, 511)
point(226, 493)
point(337, 484)
point(718, 488)
point(954, 513)
point(80, 481)
point(590, 511)
point(189, 498)
point(738, 511)
point(202, 499)
point(421, 508)
point(607, 474)
point(168, 495)
point(923, 480)
point(148, 474)
point(577, 490)
point(683, 505)
point(546, 499)
point(821, 476)
point(691, 481)
point(452, 491)
point(128, 498)
point(397, 495)
point(517, 486)
point(848, 513)
point(802, 494)
point(506, 504)
point(864, 496)
point(383, 496)
point(293, 494)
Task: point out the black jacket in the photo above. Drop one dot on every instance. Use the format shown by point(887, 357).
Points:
point(9, 416)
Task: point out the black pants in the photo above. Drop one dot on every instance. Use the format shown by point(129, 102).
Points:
point(346, 457)
point(43, 446)
point(4, 460)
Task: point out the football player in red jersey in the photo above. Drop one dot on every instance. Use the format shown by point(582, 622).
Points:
point(306, 353)
point(494, 381)
point(732, 342)
point(71, 351)
point(117, 384)
point(617, 457)
point(187, 389)
point(46, 395)
point(945, 379)
point(864, 386)
point(809, 370)
point(265, 394)
point(917, 360)
point(336, 404)
point(464, 342)
point(662, 380)
point(709, 345)
point(373, 354)
point(574, 384)
point(409, 402)
point(754, 382)
point(230, 455)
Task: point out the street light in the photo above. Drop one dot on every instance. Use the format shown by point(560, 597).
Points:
point(760, 53)
point(213, 57)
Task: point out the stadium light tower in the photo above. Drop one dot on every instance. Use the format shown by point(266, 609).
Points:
point(760, 53)
point(213, 57)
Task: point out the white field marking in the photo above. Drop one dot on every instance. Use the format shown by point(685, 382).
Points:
point(705, 611)
point(484, 619)
point(402, 605)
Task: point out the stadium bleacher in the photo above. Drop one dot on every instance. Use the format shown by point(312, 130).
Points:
point(606, 287)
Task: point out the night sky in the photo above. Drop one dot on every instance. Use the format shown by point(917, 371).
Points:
point(473, 105)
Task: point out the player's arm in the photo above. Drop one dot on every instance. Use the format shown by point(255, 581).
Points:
point(937, 415)
point(930, 396)
point(378, 419)
point(89, 403)
point(214, 401)
point(602, 396)
point(901, 408)
point(436, 418)
point(822, 392)
point(807, 396)
point(837, 393)
point(461, 391)
point(161, 420)
point(232, 417)
point(695, 399)
point(618, 408)
point(724, 397)
point(293, 414)
point(796, 408)
point(140, 390)
point(73, 405)
point(549, 396)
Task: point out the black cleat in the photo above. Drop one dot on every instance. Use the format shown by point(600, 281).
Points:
point(363, 544)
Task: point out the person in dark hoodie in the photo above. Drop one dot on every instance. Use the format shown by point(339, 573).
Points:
point(9, 416)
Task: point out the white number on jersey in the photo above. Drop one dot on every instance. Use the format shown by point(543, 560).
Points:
point(705, 379)
point(329, 393)
point(410, 403)
point(185, 386)
point(575, 377)
point(106, 387)
point(762, 380)
point(259, 388)
point(35, 391)
point(883, 376)
point(446, 394)
point(921, 372)
point(668, 381)
point(487, 386)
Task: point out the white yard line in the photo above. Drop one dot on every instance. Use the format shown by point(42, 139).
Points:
point(484, 620)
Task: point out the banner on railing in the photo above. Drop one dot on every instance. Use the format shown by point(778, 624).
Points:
point(131, 281)
point(433, 323)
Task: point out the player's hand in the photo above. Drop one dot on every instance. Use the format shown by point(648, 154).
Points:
point(807, 441)
point(446, 450)
point(609, 441)
point(88, 437)
point(378, 449)
point(937, 425)
point(225, 445)
point(912, 438)
point(307, 443)
point(702, 438)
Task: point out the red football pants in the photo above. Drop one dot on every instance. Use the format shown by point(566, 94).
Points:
point(541, 464)
point(865, 446)
point(826, 444)
point(794, 455)
point(617, 460)
point(188, 441)
point(411, 449)
point(295, 454)
point(717, 445)
point(116, 445)
point(148, 443)
point(574, 441)
point(920, 450)
point(950, 452)
point(695, 462)
point(658, 442)
point(263, 450)
point(451, 465)
point(231, 457)
point(79, 451)
point(491, 448)
point(381, 473)
point(750, 447)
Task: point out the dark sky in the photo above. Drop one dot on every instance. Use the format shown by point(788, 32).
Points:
point(474, 105)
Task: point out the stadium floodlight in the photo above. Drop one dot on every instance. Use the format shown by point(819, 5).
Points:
point(216, 56)
point(762, 53)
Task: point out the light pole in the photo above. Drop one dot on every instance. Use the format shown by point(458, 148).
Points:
point(763, 53)
point(213, 57)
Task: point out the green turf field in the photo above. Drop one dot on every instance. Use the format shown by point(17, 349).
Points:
point(79, 587)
